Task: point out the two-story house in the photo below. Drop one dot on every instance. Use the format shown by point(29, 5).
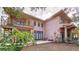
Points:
point(31, 23)
point(57, 26)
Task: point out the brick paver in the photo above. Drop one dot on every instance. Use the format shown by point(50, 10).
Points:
point(52, 47)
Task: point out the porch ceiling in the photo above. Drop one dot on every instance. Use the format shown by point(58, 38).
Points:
point(68, 26)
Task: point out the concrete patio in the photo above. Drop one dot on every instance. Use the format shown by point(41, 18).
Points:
point(52, 47)
point(42, 41)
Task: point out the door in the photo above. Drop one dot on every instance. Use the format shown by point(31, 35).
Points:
point(62, 35)
point(39, 35)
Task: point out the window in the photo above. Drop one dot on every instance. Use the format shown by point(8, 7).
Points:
point(28, 23)
point(61, 21)
point(38, 35)
point(17, 23)
point(20, 23)
point(34, 23)
point(38, 24)
point(41, 24)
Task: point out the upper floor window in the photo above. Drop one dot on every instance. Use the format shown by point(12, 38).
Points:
point(41, 24)
point(38, 24)
point(20, 23)
point(34, 23)
point(28, 23)
point(61, 21)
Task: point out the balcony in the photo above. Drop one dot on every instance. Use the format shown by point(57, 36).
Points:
point(23, 26)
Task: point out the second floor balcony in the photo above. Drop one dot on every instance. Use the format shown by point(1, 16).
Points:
point(20, 23)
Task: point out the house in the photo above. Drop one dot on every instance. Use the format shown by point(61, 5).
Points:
point(30, 23)
point(56, 28)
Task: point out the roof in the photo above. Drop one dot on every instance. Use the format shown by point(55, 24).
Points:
point(28, 16)
point(33, 17)
point(62, 14)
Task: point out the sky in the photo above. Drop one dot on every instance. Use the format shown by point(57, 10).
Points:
point(2, 14)
point(43, 14)
point(50, 11)
point(39, 14)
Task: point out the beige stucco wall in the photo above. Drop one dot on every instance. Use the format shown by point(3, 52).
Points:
point(36, 27)
point(49, 28)
point(52, 26)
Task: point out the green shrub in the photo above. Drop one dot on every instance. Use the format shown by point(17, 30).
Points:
point(21, 39)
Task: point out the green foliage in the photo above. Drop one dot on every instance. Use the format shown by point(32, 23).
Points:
point(75, 32)
point(21, 39)
point(24, 37)
point(13, 12)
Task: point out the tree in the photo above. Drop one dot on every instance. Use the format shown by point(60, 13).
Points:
point(13, 12)
point(37, 8)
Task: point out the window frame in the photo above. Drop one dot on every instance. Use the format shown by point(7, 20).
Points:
point(38, 24)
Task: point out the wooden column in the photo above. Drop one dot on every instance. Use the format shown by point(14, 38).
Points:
point(65, 34)
point(32, 31)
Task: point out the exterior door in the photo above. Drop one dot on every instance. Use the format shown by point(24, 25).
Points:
point(62, 35)
point(38, 35)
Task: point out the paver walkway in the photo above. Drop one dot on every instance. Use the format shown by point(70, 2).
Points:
point(52, 47)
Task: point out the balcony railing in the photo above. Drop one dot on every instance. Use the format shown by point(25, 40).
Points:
point(22, 25)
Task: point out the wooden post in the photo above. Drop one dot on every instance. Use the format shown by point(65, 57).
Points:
point(65, 34)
